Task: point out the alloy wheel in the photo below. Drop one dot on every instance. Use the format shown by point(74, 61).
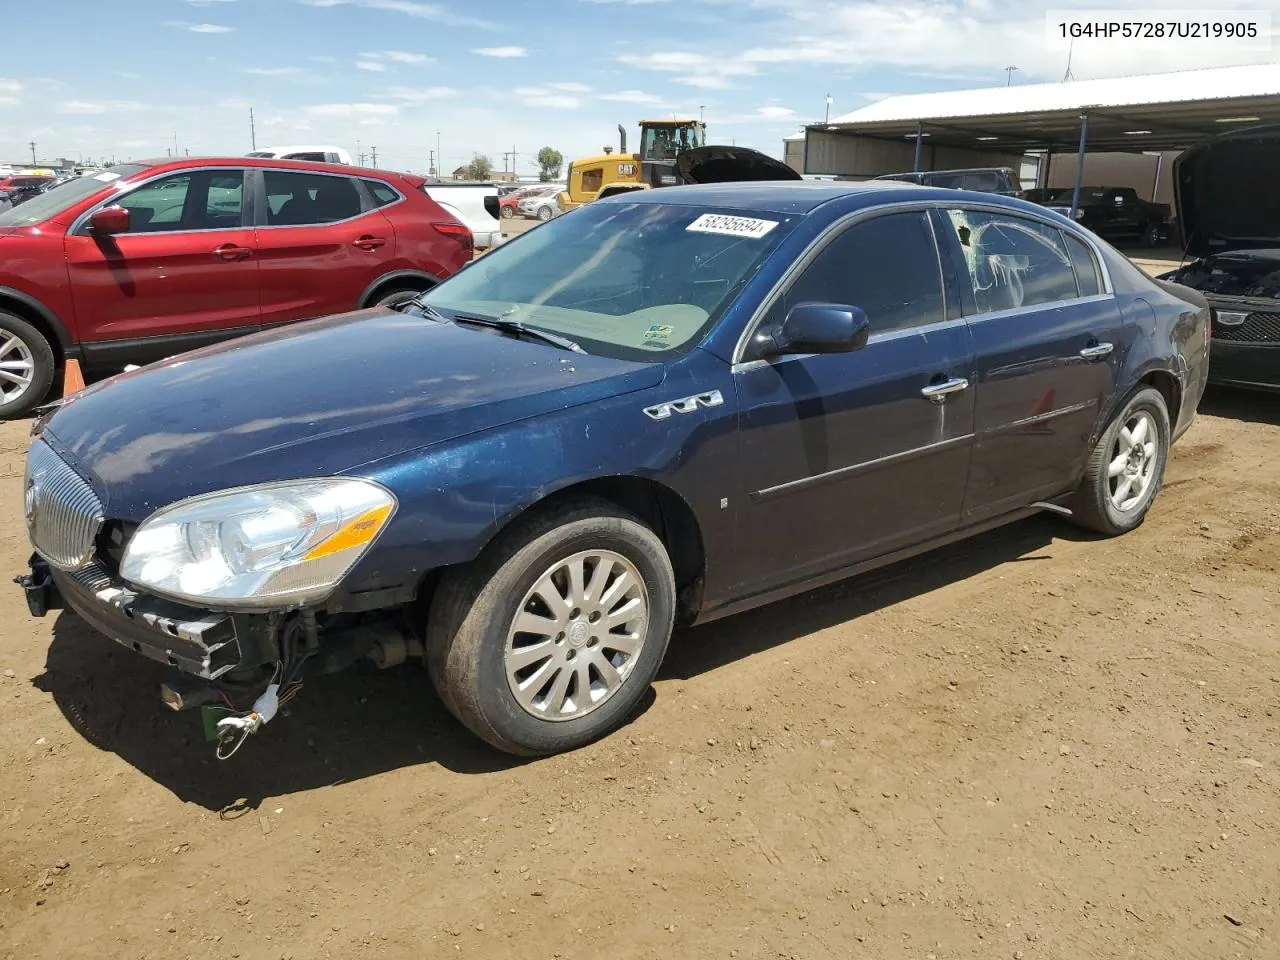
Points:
point(576, 635)
point(17, 367)
point(1132, 466)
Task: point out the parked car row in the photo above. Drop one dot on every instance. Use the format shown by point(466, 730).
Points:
point(146, 260)
point(527, 201)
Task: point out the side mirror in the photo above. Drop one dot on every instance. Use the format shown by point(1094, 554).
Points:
point(109, 220)
point(821, 328)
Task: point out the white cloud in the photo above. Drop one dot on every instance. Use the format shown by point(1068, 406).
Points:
point(966, 41)
point(696, 69)
point(199, 27)
point(420, 94)
point(569, 87)
point(402, 56)
point(502, 52)
point(631, 96)
point(775, 113)
point(547, 97)
point(85, 108)
point(373, 66)
point(425, 11)
point(324, 59)
point(352, 111)
point(275, 71)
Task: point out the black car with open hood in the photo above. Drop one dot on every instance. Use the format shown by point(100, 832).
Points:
point(721, 164)
point(1228, 206)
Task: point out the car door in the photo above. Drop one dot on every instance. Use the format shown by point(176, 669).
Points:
point(182, 276)
point(1048, 339)
point(853, 455)
point(321, 244)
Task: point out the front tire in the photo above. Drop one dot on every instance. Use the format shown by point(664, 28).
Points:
point(551, 639)
point(1125, 470)
point(396, 298)
point(544, 214)
point(1151, 235)
point(508, 213)
point(26, 366)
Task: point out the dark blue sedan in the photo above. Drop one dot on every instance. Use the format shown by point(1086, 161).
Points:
point(662, 408)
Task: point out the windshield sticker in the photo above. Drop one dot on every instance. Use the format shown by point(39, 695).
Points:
point(106, 176)
point(658, 334)
point(731, 226)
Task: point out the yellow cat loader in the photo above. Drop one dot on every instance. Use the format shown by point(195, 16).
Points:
point(671, 152)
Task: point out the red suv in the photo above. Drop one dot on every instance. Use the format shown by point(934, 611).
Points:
point(146, 260)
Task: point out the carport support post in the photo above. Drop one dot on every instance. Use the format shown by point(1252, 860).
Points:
point(919, 144)
point(1084, 139)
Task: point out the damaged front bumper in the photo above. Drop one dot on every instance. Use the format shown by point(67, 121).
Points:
point(201, 643)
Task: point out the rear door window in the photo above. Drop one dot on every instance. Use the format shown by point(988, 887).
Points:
point(1088, 277)
point(303, 199)
point(1013, 262)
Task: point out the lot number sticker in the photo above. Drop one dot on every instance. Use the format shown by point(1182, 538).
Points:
point(732, 226)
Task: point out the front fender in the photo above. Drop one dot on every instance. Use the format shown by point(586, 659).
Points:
point(456, 497)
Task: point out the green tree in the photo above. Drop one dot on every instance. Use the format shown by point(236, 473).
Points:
point(550, 160)
point(480, 167)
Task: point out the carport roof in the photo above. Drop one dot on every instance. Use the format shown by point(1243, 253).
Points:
point(1162, 111)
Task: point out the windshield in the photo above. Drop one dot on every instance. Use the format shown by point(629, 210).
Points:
point(633, 281)
point(52, 202)
point(667, 142)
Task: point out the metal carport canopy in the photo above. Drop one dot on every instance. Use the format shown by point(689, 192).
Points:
point(1163, 111)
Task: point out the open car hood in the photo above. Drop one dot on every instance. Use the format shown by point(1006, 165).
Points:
point(1227, 196)
point(720, 164)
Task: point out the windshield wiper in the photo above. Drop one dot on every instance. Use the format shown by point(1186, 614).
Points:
point(519, 329)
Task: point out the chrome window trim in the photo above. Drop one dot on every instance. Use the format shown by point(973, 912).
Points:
point(838, 226)
point(78, 224)
point(1038, 307)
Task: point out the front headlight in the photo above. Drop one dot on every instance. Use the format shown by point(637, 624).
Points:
point(272, 545)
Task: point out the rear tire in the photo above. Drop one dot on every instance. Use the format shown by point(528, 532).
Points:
point(1125, 470)
point(1151, 235)
point(508, 213)
point(544, 214)
point(591, 652)
point(27, 366)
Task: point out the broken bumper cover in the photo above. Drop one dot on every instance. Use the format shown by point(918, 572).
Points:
point(203, 643)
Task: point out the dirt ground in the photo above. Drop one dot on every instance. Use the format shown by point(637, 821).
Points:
point(1033, 745)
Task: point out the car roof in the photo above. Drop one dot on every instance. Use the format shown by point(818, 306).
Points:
point(306, 166)
point(796, 196)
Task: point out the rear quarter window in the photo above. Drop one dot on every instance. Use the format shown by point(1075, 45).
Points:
point(382, 193)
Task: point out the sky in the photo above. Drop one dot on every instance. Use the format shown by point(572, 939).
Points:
point(125, 78)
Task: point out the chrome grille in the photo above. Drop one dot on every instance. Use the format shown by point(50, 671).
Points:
point(63, 513)
point(1257, 327)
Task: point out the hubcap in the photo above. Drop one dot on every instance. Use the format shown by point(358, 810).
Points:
point(1133, 462)
point(17, 367)
point(576, 635)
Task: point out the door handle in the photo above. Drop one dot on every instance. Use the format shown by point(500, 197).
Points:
point(938, 392)
point(231, 251)
point(369, 243)
point(1096, 351)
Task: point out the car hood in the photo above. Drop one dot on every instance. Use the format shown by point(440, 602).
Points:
point(1226, 194)
point(720, 164)
point(1239, 273)
point(315, 399)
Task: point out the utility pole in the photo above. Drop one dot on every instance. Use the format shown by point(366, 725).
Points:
point(253, 133)
point(701, 108)
point(432, 171)
point(1009, 75)
point(33, 153)
point(440, 154)
point(828, 116)
point(175, 143)
point(359, 154)
point(374, 152)
point(513, 159)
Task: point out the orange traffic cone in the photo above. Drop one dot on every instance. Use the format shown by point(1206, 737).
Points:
point(72, 378)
